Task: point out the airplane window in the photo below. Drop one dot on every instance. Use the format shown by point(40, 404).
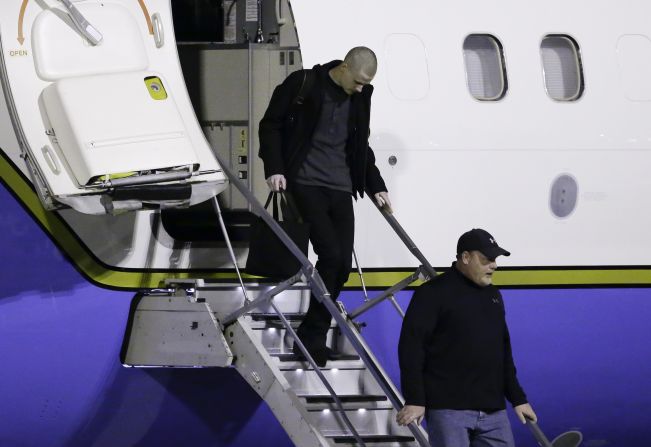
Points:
point(485, 68)
point(407, 71)
point(562, 67)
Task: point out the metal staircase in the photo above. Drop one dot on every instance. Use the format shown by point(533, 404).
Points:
point(308, 401)
point(365, 404)
point(350, 401)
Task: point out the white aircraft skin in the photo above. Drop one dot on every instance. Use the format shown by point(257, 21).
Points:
point(464, 163)
point(583, 356)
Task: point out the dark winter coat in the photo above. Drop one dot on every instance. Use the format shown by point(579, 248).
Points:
point(455, 349)
point(289, 122)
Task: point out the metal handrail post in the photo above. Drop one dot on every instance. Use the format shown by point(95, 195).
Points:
point(262, 299)
point(384, 295)
point(222, 225)
point(393, 301)
point(361, 275)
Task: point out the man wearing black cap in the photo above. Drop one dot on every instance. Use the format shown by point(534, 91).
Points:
point(455, 356)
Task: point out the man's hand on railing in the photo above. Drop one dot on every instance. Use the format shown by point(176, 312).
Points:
point(409, 414)
point(277, 183)
point(382, 199)
point(525, 412)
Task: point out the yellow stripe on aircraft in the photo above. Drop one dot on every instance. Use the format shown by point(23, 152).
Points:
point(525, 278)
point(108, 276)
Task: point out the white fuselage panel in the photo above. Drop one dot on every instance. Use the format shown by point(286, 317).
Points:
point(463, 163)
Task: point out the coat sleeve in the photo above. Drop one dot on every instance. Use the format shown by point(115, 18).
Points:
point(374, 181)
point(417, 329)
point(512, 389)
point(271, 126)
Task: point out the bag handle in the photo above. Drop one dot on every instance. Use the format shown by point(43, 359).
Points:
point(290, 210)
point(272, 196)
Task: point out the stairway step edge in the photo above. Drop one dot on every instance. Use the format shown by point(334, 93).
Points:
point(345, 398)
point(345, 439)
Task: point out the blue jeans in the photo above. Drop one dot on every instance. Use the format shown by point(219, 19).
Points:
point(469, 428)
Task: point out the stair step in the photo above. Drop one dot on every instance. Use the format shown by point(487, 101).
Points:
point(332, 365)
point(344, 381)
point(328, 399)
point(275, 318)
point(291, 357)
point(370, 439)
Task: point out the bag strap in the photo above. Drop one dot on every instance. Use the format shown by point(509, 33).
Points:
point(308, 80)
point(269, 197)
point(272, 196)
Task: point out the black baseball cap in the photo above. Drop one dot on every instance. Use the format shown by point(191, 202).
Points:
point(481, 240)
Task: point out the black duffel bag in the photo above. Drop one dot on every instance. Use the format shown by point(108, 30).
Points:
point(268, 256)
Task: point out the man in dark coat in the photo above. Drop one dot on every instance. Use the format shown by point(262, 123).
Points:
point(456, 366)
point(314, 143)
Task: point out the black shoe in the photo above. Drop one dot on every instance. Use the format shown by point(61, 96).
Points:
point(320, 355)
point(334, 355)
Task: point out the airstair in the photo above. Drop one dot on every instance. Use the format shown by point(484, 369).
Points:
point(251, 327)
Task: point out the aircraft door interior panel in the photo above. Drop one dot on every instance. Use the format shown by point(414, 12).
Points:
point(109, 138)
point(81, 106)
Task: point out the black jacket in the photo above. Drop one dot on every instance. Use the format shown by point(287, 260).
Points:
point(287, 127)
point(455, 350)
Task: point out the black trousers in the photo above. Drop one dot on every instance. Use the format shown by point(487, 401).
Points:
point(332, 230)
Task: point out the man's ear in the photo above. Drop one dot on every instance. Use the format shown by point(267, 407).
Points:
point(465, 257)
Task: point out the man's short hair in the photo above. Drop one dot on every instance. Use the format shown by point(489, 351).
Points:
point(361, 59)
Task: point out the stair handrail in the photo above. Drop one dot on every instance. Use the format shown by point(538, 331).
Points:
point(424, 270)
point(307, 270)
point(323, 296)
point(402, 234)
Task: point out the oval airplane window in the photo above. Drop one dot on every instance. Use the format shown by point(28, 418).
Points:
point(485, 68)
point(562, 69)
point(634, 57)
point(407, 71)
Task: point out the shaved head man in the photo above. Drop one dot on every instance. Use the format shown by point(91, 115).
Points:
point(314, 144)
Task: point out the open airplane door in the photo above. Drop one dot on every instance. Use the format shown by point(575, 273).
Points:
point(100, 109)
